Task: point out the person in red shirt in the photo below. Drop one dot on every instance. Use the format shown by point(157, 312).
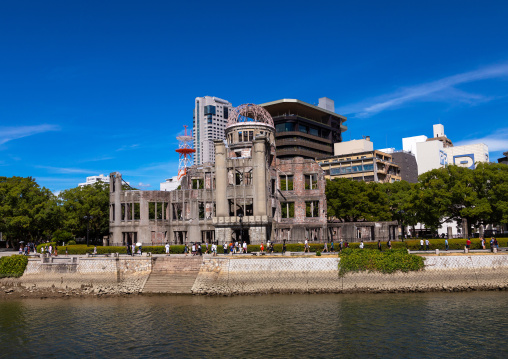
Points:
point(468, 243)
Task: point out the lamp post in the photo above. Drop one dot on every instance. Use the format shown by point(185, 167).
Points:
point(87, 218)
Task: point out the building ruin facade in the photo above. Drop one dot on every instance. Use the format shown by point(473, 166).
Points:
point(248, 194)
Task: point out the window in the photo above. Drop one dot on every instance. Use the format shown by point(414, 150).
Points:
point(303, 128)
point(197, 183)
point(314, 131)
point(286, 183)
point(210, 110)
point(287, 209)
point(312, 208)
point(251, 135)
point(311, 181)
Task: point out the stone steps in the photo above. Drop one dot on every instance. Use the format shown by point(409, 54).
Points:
point(173, 275)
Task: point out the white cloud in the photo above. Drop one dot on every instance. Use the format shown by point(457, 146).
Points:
point(13, 133)
point(497, 141)
point(442, 90)
point(141, 184)
point(128, 147)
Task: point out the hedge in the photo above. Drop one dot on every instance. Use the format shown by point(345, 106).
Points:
point(277, 248)
point(372, 260)
point(13, 266)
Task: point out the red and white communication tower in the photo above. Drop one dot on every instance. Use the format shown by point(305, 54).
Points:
point(185, 150)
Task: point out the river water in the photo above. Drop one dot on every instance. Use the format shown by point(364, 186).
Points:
point(423, 325)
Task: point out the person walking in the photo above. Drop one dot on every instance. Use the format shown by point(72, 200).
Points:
point(167, 248)
point(427, 244)
point(283, 247)
point(482, 240)
point(331, 247)
point(225, 248)
point(245, 247)
point(421, 244)
point(133, 249)
point(325, 248)
point(307, 249)
point(446, 244)
point(389, 244)
point(379, 245)
point(361, 244)
point(214, 249)
point(262, 248)
point(186, 249)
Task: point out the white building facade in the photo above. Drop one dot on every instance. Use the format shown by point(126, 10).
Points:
point(171, 184)
point(210, 118)
point(94, 179)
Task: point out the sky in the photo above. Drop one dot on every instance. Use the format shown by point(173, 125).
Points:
point(92, 87)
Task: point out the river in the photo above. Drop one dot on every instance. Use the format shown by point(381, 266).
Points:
point(422, 325)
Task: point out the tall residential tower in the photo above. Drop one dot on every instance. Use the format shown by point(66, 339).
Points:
point(210, 118)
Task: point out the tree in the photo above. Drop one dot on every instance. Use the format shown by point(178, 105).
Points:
point(402, 207)
point(352, 201)
point(27, 211)
point(91, 200)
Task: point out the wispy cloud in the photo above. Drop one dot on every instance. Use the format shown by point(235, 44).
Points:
point(442, 90)
point(497, 141)
point(13, 133)
point(141, 184)
point(68, 170)
point(128, 147)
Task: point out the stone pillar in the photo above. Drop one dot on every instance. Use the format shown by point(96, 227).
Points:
point(221, 180)
point(259, 175)
point(450, 232)
point(465, 231)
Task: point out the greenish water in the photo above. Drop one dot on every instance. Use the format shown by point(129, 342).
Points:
point(427, 325)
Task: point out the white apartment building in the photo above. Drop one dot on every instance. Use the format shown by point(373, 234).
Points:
point(94, 179)
point(210, 119)
point(171, 184)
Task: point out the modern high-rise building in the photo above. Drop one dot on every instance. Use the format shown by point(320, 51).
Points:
point(210, 119)
point(305, 130)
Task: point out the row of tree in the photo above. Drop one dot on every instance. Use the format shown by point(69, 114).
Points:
point(453, 193)
point(32, 213)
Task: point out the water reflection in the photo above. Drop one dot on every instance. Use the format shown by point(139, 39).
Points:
point(292, 326)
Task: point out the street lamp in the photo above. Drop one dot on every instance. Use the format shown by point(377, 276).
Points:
point(87, 218)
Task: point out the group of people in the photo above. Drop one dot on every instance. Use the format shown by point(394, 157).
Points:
point(26, 249)
point(131, 249)
point(341, 244)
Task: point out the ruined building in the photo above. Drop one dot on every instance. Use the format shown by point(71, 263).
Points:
point(247, 194)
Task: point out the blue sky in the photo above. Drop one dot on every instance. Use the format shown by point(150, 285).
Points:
point(91, 87)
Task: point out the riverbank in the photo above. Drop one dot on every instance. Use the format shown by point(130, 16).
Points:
point(236, 275)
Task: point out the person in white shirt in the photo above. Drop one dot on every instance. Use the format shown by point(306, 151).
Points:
point(361, 245)
point(167, 249)
point(214, 249)
point(244, 247)
point(307, 249)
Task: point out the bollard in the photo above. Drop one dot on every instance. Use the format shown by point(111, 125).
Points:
point(466, 250)
point(437, 251)
point(87, 255)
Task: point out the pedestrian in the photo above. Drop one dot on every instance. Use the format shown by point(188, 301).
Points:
point(214, 249)
point(325, 248)
point(468, 243)
point(262, 248)
point(95, 250)
point(186, 249)
point(389, 244)
point(307, 249)
point(283, 247)
point(244, 247)
point(167, 248)
point(496, 244)
point(331, 247)
point(482, 242)
point(427, 244)
point(225, 248)
point(421, 244)
point(446, 244)
point(379, 244)
point(361, 244)
point(140, 250)
point(200, 251)
point(492, 244)
point(50, 250)
point(193, 251)
point(340, 246)
point(206, 245)
point(133, 249)
point(346, 244)
point(66, 252)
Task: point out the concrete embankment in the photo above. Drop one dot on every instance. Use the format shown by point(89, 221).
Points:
point(248, 275)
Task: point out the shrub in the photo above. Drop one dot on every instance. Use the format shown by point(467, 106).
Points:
point(13, 266)
point(318, 254)
point(71, 242)
point(61, 236)
point(356, 260)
